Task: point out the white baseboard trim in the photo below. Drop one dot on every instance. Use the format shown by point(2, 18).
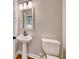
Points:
point(34, 56)
point(29, 54)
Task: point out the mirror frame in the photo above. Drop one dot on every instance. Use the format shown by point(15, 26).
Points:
point(33, 17)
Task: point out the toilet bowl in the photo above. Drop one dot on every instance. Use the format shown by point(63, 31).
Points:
point(51, 47)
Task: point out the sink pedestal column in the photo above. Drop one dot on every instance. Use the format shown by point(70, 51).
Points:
point(24, 51)
point(25, 40)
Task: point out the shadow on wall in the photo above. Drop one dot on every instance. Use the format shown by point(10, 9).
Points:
point(64, 54)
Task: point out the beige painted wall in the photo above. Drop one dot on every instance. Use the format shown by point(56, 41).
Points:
point(64, 27)
point(48, 23)
point(64, 23)
point(15, 17)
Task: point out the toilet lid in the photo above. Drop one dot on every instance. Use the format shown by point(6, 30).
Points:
point(51, 57)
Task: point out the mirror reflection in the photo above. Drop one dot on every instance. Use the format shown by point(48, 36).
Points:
point(27, 17)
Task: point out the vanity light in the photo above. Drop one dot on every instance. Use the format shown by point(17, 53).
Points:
point(25, 5)
point(21, 6)
point(30, 4)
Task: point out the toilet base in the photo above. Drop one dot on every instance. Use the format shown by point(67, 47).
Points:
point(52, 57)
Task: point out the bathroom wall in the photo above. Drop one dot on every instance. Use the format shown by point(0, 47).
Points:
point(48, 23)
point(64, 23)
point(15, 17)
point(64, 27)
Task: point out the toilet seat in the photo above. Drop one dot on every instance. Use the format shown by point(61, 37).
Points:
point(52, 57)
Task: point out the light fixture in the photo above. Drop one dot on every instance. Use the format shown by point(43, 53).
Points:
point(25, 5)
point(30, 4)
point(21, 6)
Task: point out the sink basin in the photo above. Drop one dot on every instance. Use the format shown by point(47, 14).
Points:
point(23, 38)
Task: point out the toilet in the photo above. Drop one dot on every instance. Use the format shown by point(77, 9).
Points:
point(51, 47)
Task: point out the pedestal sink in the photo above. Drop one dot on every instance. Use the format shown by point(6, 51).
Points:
point(25, 40)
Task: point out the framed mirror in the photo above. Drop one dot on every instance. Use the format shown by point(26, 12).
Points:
point(28, 19)
point(27, 14)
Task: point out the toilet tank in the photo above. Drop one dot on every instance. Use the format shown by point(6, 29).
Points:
point(51, 46)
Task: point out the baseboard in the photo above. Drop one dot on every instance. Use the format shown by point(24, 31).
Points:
point(29, 54)
point(33, 55)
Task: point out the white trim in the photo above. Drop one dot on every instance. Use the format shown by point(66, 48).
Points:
point(29, 54)
point(34, 56)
